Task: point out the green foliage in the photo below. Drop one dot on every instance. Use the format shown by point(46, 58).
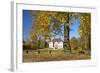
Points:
point(85, 30)
point(41, 30)
point(85, 24)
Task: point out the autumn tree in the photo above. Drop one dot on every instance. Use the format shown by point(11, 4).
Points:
point(41, 26)
point(43, 21)
point(65, 19)
point(85, 30)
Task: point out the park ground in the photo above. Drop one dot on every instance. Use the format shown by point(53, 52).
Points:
point(53, 55)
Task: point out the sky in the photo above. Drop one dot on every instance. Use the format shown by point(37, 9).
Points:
point(27, 25)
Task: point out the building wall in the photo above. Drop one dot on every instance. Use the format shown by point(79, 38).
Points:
point(57, 45)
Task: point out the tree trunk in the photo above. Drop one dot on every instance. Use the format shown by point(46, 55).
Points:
point(67, 46)
point(87, 43)
point(53, 43)
point(89, 39)
point(82, 42)
point(39, 43)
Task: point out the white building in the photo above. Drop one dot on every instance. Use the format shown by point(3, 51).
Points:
point(56, 44)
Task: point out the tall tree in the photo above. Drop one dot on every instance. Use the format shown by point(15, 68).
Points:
point(65, 19)
point(41, 26)
point(44, 19)
point(85, 30)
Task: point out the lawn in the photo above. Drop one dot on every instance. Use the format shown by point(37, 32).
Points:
point(52, 55)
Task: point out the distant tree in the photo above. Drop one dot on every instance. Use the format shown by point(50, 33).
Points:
point(26, 45)
point(74, 43)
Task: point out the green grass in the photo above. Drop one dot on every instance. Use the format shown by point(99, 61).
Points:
point(55, 55)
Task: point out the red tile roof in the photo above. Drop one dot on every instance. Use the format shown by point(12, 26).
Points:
point(57, 40)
